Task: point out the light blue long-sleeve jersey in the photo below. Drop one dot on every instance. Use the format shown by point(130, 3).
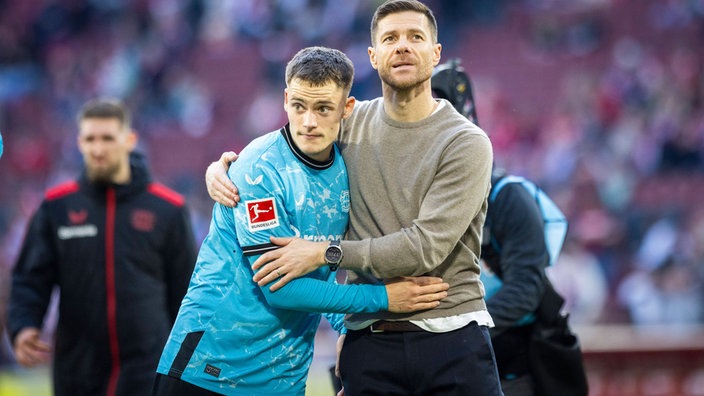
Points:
point(235, 338)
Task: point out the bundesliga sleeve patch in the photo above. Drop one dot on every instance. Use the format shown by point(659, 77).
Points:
point(261, 214)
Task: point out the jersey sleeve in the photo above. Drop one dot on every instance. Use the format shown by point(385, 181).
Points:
point(336, 321)
point(261, 214)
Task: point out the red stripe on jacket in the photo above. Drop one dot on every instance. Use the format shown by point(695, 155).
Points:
point(166, 193)
point(61, 190)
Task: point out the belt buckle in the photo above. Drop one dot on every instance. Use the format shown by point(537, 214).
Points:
point(373, 330)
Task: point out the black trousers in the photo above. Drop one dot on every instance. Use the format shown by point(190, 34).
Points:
point(459, 362)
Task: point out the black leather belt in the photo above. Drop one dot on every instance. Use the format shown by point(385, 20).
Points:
point(383, 326)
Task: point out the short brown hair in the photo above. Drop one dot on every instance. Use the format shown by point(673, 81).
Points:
point(320, 65)
point(105, 108)
point(394, 6)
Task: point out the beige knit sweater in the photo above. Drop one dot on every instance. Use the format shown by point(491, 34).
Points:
point(418, 196)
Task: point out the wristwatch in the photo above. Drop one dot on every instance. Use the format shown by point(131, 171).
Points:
point(333, 255)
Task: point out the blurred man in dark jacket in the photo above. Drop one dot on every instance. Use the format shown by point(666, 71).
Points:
point(120, 249)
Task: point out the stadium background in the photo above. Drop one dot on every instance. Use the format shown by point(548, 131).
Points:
point(601, 101)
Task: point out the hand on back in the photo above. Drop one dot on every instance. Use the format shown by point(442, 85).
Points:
point(220, 187)
point(410, 294)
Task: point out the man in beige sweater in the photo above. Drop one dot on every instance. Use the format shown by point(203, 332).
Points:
point(419, 179)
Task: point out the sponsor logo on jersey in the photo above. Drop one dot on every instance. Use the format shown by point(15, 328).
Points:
point(81, 231)
point(262, 214)
point(255, 181)
point(77, 216)
point(315, 238)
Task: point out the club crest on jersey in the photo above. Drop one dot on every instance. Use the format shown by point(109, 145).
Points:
point(143, 220)
point(262, 214)
point(345, 200)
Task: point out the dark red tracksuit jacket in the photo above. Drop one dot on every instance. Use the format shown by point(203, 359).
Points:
point(122, 257)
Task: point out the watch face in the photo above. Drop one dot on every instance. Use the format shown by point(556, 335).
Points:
point(333, 254)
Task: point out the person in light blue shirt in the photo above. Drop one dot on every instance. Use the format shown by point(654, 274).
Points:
point(234, 337)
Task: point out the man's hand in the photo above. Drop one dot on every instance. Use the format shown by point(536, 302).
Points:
point(295, 258)
point(409, 294)
point(220, 187)
point(30, 350)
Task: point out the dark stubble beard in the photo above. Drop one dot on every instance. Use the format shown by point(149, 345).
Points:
point(102, 175)
point(407, 85)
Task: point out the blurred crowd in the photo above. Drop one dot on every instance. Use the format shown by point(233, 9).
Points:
point(600, 101)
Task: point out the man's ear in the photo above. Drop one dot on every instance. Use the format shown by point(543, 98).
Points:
point(132, 139)
point(349, 107)
point(372, 57)
point(437, 51)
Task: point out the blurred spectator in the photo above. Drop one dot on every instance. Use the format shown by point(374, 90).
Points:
point(669, 294)
point(581, 281)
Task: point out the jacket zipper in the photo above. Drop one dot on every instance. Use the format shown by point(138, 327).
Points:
point(110, 291)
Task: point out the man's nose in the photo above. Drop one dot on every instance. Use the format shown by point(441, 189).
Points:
point(310, 120)
point(98, 148)
point(402, 46)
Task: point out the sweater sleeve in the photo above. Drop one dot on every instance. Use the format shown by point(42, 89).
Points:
point(33, 276)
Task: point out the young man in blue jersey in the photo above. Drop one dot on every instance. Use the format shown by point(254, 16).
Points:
point(234, 337)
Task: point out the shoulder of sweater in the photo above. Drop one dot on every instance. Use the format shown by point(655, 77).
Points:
point(455, 126)
point(364, 106)
point(448, 114)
